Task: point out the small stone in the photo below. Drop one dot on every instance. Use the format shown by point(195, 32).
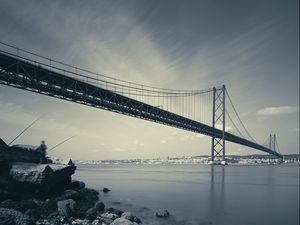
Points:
point(136, 219)
point(105, 190)
point(162, 213)
point(96, 222)
point(123, 221)
point(115, 211)
point(109, 215)
point(132, 218)
point(100, 206)
point(128, 216)
point(104, 221)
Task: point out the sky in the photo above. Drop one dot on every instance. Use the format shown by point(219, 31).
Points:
point(250, 46)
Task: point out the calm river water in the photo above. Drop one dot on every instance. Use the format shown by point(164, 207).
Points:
point(200, 194)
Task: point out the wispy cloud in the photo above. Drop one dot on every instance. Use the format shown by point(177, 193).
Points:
point(189, 137)
point(277, 110)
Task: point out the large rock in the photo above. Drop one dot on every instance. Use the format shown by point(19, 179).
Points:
point(100, 206)
point(86, 200)
point(75, 185)
point(66, 207)
point(13, 217)
point(123, 221)
point(42, 179)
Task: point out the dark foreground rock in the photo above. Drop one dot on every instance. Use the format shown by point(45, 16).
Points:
point(45, 194)
point(13, 217)
point(40, 179)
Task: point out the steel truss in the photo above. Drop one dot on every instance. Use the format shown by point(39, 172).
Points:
point(33, 76)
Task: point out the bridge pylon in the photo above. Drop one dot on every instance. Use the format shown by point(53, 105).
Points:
point(273, 145)
point(218, 119)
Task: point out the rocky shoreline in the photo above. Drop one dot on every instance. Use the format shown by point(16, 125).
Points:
point(45, 194)
point(76, 205)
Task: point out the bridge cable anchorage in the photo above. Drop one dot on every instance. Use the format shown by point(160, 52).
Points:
point(236, 113)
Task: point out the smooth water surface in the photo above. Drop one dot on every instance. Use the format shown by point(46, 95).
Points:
point(200, 194)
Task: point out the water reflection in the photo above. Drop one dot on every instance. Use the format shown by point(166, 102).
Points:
point(217, 199)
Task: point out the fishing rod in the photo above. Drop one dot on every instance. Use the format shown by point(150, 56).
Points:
point(30, 125)
point(61, 143)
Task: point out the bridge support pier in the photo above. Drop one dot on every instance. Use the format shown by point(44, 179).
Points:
point(218, 120)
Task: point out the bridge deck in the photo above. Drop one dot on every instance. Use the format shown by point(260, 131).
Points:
point(31, 76)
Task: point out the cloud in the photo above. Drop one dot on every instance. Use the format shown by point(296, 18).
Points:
point(189, 137)
point(163, 141)
point(174, 133)
point(227, 128)
point(117, 149)
point(277, 110)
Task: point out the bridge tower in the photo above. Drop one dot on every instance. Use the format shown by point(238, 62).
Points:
point(272, 142)
point(273, 145)
point(218, 119)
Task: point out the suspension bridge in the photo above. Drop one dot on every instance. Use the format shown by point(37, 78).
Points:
point(199, 111)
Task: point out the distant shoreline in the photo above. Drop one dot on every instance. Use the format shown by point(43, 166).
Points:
point(197, 160)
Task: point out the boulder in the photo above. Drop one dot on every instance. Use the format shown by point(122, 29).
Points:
point(105, 190)
point(123, 221)
point(14, 217)
point(162, 213)
point(85, 200)
point(41, 179)
point(66, 207)
point(99, 206)
point(75, 185)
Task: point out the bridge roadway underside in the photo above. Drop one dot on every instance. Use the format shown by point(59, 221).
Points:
point(32, 77)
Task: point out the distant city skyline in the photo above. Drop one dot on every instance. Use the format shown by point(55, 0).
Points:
point(250, 46)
